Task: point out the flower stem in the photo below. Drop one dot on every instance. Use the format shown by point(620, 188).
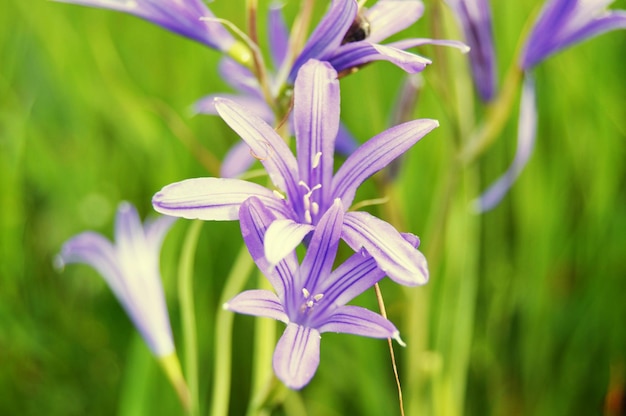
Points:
point(188, 317)
point(171, 367)
point(223, 333)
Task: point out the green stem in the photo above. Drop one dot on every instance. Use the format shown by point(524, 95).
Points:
point(188, 317)
point(223, 333)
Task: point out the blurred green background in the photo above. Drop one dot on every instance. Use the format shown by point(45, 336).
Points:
point(94, 109)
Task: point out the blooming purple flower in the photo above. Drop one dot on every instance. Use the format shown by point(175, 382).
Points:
point(350, 38)
point(310, 298)
point(182, 17)
point(563, 23)
point(307, 182)
point(131, 269)
point(475, 19)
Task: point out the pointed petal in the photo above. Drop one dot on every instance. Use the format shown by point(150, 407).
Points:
point(278, 35)
point(320, 256)
point(357, 54)
point(375, 154)
point(258, 303)
point(393, 254)
point(388, 17)
point(328, 34)
point(206, 105)
point(316, 121)
point(212, 199)
point(412, 43)
point(282, 237)
point(359, 321)
point(345, 143)
point(297, 356)
point(526, 132)
point(265, 144)
point(255, 219)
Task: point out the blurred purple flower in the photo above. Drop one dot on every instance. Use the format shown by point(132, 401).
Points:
point(308, 182)
point(475, 19)
point(309, 298)
point(131, 269)
point(181, 17)
point(350, 38)
point(563, 23)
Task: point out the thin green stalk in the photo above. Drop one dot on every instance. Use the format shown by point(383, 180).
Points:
point(188, 316)
point(224, 330)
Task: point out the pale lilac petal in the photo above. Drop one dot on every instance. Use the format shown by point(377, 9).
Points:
point(415, 42)
point(357, 54)
point(255, 219)
point(345, 143)
point(182, 17)
point(297, 355)
point(282, 237)
point(265, 144)
point(316, 121)
point(320, 255)
point(258, 106)
point(212, 199)
point(388, 17)
point(155, 230)
point(359, 321)
point(394, 255)
point(278, 35)
point(328, 34)
point(375, 154)
point(526, 133)
point(239, 77)
point(236, 161)
point(258, 303)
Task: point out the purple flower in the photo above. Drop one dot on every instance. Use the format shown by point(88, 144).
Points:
point(307, 183)
point(475, 19)
point(182, 17)
point(309, 298)
point(350, 38)
point(563, 23)
point(131, 269)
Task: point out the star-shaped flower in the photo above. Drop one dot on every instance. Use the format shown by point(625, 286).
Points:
point(309, 297)
point(131, 269)
point(307, 184)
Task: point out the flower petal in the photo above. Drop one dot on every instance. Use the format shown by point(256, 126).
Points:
point(265, 144)
point(388, 17)
point(297, 355)
point(328, 34)
point(375, 154)
point(356, 54)
point(258, 106)
point(359, 321)
point(258, 303)
point(210, 199)
point(415, 42)
point(255, 219)
point(278, 35)
point(319, 258)
point(526, 132)
point(394, 255)
point(282, 237)
point(236, 161)
point(316, 122)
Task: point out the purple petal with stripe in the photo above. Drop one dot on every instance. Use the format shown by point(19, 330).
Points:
point(359, 321)
point(357, 54)
point(297, 355)
point(258, 303)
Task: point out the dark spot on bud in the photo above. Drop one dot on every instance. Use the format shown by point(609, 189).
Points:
point(359, 30)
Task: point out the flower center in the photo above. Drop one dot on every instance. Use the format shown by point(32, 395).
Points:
point(359, 30)
point(311, 207)
point(309, 301)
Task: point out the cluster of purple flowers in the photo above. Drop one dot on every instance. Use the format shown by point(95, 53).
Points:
point(308, 201)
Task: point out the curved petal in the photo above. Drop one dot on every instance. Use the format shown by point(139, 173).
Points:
point(375, 154)
point(155, 230)
point(319, 258)
point(345, 143)
point(394, 255)
point(258, 303)
point(328, 34)
point(278, 35)
point(415, 42)
point(357, 54)
point(212, 199)
point(282, 237)
point(265, 144)
point(206, 105)
point(297, 355)
point(388, 17)
point(239, 77)
point(526, 132)
point(359, 321)
point(255, 220)
point(316, 122)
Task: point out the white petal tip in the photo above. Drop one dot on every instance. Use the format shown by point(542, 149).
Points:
point(396, 336)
